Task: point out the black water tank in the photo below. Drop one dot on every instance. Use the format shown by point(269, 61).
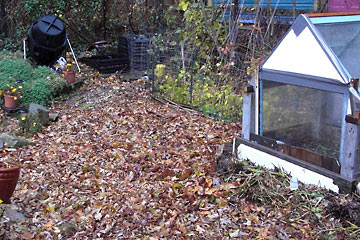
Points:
point(46, 40)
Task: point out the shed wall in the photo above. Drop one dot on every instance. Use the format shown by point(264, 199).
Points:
point(343, 5)
point(282, 4)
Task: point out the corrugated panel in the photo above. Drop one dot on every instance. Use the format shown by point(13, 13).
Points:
point(282, 4)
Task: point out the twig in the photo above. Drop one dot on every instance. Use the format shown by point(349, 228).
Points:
point(209, 27)
point(174, 105)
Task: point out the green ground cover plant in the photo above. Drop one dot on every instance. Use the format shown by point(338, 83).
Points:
point(39, 84)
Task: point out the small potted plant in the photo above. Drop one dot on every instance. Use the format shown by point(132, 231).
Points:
point(9, 176)
point(11, 96)
point(70, 72)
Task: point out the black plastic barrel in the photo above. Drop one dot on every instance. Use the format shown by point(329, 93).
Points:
point(46, 40)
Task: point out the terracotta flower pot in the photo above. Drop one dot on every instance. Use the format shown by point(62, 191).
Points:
point(70, 76)
point(8, 180)
point(10, 102)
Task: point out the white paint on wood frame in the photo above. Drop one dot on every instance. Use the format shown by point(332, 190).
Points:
point(246, 118)
point(270, 162)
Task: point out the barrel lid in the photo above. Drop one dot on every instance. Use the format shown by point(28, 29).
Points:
point(50, 25)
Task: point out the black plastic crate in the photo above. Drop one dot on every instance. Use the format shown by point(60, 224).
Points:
point(108, 64)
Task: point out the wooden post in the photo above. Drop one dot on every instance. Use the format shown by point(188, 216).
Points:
point(316, 5)
point(354, 82)
point(233, 23)
point(246, 116)
point(294, 9)
point(257, 102)
point(350, 165)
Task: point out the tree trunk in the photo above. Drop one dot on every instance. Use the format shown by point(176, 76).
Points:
point(3, 17)
point(234, 11)
point(160, 14)
point(294, 9)
point(104, 18)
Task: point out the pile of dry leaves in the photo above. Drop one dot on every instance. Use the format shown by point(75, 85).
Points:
point(119, 165)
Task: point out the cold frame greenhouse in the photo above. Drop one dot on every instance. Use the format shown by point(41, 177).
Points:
point(305, 103)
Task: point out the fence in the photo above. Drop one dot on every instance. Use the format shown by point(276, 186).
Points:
point(179, 75)
point(206, 68)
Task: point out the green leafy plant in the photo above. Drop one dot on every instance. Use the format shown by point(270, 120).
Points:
point(14, 67)
point(29, 125)
point(200, 67)
point(38, 91)
point(12, 90)
point(57, 83)
point(220, 102)
point(39, 84)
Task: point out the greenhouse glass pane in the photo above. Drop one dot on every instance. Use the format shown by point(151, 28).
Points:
point(344, 40)
point(303, 117)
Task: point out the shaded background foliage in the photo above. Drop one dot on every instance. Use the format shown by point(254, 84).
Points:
point(97, 20)
point(213, 52)
point(108, 19)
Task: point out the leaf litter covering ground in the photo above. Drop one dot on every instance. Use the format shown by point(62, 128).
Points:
point(119, 166)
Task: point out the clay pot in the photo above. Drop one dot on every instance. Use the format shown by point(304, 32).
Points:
point(8, 180)
point(9, 101)
point(70, 76)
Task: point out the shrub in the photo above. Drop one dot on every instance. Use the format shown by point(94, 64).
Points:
point(219, 102)
point(57, 83)
point(38, 91)
point(15, 68)
point(40, 84)
point(29, 125)
point(4, 82)
point(43, 72)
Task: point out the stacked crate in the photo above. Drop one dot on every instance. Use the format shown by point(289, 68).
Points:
point(136, 48)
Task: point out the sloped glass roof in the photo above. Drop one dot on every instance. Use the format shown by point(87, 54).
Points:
point(342, 35)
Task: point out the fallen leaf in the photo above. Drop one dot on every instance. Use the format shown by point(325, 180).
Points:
point(222, 202)
point(182, 228)
point(234, 234)
point(48, 226)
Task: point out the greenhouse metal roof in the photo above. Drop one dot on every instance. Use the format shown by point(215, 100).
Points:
point(323, 47)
